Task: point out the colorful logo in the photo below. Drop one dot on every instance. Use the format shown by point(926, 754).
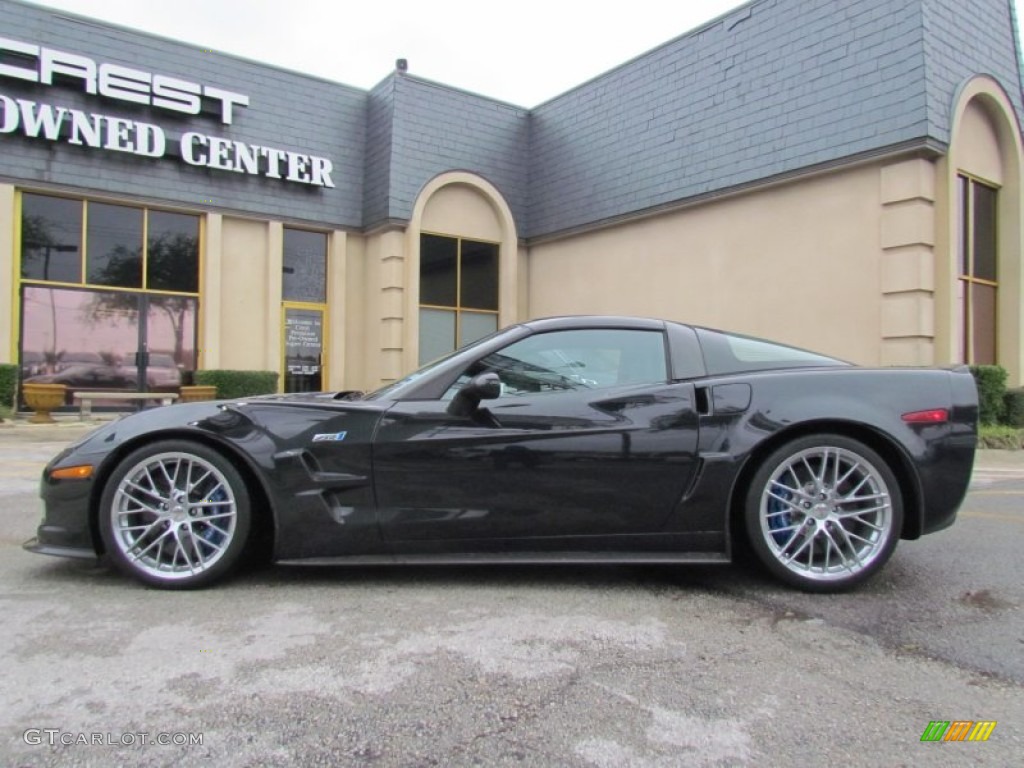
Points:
point(958, 730)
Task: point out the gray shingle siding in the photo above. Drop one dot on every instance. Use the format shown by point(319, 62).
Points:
point(438, 129)
point(380, 115)
point(963, 40)
point(781, 85)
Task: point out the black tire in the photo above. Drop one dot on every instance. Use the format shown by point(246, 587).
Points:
point(824, 513)
point(175, 515)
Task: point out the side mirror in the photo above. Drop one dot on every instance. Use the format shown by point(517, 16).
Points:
point(486, 386)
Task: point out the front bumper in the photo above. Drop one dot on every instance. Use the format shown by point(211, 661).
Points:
point(40, 548)
point(65, 530)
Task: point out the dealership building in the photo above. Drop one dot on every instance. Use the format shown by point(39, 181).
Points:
point(842, 175)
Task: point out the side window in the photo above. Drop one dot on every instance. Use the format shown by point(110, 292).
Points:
point(568, 360)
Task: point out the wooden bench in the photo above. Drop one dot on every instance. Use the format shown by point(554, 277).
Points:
point(86, 398)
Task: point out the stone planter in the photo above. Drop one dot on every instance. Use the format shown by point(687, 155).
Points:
point(197, 392)
point(43, 398)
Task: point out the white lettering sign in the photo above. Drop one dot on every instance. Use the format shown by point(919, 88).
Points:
point(42, 65)
point(116, 134)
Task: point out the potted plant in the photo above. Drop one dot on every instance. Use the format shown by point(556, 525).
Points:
point(43, 398)
point(190, 392)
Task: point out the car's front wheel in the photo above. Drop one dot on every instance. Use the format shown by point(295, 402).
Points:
point(175, 514)
point(824, 512)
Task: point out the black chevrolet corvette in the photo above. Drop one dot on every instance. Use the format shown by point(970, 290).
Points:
point(564, 440)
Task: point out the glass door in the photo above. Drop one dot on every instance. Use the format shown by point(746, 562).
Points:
point(303, 341)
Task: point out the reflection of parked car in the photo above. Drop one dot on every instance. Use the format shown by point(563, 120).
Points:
point(75, 359)
point(91, 376)
point(31, 363)
point(162, 375)
point(85, 378)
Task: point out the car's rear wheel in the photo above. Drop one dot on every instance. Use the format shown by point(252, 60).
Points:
point(175, 514)
point(824, 512)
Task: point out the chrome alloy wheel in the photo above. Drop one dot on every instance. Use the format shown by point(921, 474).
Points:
point(173, 515)
point(826, 514)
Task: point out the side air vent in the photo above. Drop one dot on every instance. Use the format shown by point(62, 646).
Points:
point(703, 401)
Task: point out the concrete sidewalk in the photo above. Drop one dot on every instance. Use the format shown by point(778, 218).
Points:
point(69, 427)
point(65, 429)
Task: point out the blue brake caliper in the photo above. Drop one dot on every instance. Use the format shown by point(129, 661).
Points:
point(776, 522)
point(208, 532)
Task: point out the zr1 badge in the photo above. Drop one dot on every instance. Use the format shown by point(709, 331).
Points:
point(333, 437)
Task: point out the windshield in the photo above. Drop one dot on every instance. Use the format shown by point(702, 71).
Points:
point(396, 389)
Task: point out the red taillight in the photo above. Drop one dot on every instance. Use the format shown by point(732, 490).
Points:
point(934, 416)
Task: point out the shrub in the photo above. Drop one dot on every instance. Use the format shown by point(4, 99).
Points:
point(1001, 436)
point(232, 385)
point(991, 381)
point(8, 380)
point(1013, 408)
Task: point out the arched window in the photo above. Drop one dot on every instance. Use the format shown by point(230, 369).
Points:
point(464, 281)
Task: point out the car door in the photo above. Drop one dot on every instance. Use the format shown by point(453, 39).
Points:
point(588, 439)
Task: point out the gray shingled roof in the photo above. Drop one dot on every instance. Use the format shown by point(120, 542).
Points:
point(775, 87)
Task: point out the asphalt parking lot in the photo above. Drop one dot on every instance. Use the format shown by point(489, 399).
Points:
point(571, 666)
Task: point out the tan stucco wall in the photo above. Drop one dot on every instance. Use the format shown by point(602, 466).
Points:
point(908, 233)
point(242, 299)
point(383, 267)
point(8, 353)
point(353, 323)
point(799, 262)
point(241, 317)
point(336, 338)
point(978, 151)
point(458, 209)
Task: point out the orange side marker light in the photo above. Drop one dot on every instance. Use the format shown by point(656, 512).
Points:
point(80, 472)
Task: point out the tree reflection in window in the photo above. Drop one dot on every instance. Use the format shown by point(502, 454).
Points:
point(51, 233)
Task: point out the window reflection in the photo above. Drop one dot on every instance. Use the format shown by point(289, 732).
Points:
point(89, 339)
point(114, 245)
point(304, 344)
point(438, 270)
point(479, 273)
point(107, 339)
point(51, 231)
point(172, 252)
point(171, 333)
point(305, 266)
point(74, 335)
point(458, 293)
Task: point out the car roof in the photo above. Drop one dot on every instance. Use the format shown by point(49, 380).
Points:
point(594, 321)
